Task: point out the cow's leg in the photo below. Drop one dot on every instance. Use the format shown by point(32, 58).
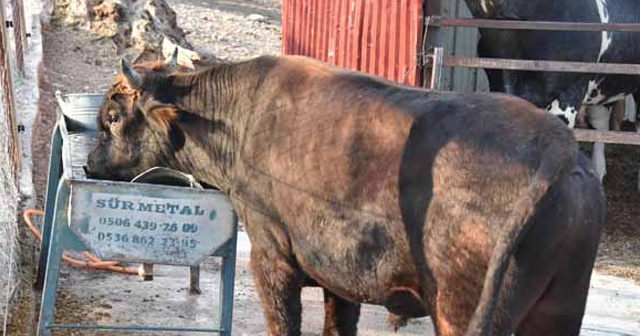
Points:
point(631, 109)
point(617, 115)
point(581, 118)
point(599, 118)
point(341, 316)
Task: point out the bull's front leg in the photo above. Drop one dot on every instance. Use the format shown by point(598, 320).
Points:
point(275, 273)
point(279, 286)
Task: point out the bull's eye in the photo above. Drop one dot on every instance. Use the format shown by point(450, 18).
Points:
point(113, 117)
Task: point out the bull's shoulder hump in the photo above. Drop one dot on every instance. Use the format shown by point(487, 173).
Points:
point(307, 65)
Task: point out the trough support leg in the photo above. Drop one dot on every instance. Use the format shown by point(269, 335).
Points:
point(47, 307)
point(55, 172)
point(194, 280)
point(146, 271)
point(228, 273)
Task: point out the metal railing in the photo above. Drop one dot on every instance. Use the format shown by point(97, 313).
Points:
point(12, 49)
point(435, 59)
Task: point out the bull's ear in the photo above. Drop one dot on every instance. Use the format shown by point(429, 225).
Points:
point(133, 77)
point(164, 119)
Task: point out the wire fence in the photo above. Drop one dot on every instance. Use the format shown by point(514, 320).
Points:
point(13, 41)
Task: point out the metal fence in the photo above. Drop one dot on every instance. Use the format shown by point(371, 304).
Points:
point(12, 50)
point(435, 58)
point(12, 47)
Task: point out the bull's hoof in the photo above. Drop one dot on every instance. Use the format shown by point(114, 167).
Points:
point(195, 291)
point(397, 321)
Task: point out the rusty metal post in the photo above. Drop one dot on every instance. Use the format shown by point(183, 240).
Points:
point(19, 32)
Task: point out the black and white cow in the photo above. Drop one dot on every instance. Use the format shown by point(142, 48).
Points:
point(563, 93)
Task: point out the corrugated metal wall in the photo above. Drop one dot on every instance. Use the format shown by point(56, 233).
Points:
point(460, 42)
point(380, 37)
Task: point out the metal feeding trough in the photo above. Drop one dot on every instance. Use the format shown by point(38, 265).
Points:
point(161, 217)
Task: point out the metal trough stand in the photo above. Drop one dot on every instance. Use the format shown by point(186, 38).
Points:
point(165, 176)
point(124, 221)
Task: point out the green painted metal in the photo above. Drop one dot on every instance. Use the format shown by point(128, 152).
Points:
point(150, 223)
point(131, 327)
point(55, 171)
point(82, 214)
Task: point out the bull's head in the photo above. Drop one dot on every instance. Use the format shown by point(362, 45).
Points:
point(135, 133)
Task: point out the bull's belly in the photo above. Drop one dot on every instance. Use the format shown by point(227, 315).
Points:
point(362, 262)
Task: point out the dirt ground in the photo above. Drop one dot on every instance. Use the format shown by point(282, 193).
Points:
point(619, 252)
point(75, 61)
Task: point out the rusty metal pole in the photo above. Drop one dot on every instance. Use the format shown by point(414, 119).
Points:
point(19, 32)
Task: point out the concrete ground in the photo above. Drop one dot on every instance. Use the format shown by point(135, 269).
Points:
point(613, 306)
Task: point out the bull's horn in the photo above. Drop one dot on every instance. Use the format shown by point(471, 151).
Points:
point(133, 77)
point(173, 61)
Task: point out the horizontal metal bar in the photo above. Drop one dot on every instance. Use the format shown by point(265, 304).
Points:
point(530, 65)
point(624, 138)
point(533, 25)
point(129, 327)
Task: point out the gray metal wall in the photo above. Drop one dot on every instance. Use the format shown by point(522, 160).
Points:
point(461, 42)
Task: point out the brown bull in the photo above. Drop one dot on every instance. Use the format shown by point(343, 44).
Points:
point(476, 209)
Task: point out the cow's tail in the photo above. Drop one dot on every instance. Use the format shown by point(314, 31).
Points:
point(557, 160)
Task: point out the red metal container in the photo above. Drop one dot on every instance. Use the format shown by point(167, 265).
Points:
point(379, 37)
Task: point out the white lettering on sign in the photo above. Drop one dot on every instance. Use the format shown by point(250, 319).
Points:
point(153, 229)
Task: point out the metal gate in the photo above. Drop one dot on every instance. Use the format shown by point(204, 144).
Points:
point(437, 58)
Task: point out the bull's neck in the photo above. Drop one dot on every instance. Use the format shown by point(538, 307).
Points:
point(220, 101)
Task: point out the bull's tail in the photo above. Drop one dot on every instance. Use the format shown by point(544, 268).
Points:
point(556, 161)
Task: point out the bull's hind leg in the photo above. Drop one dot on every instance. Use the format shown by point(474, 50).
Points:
point(341, 316)
point(560, 309)
point(558, 313)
